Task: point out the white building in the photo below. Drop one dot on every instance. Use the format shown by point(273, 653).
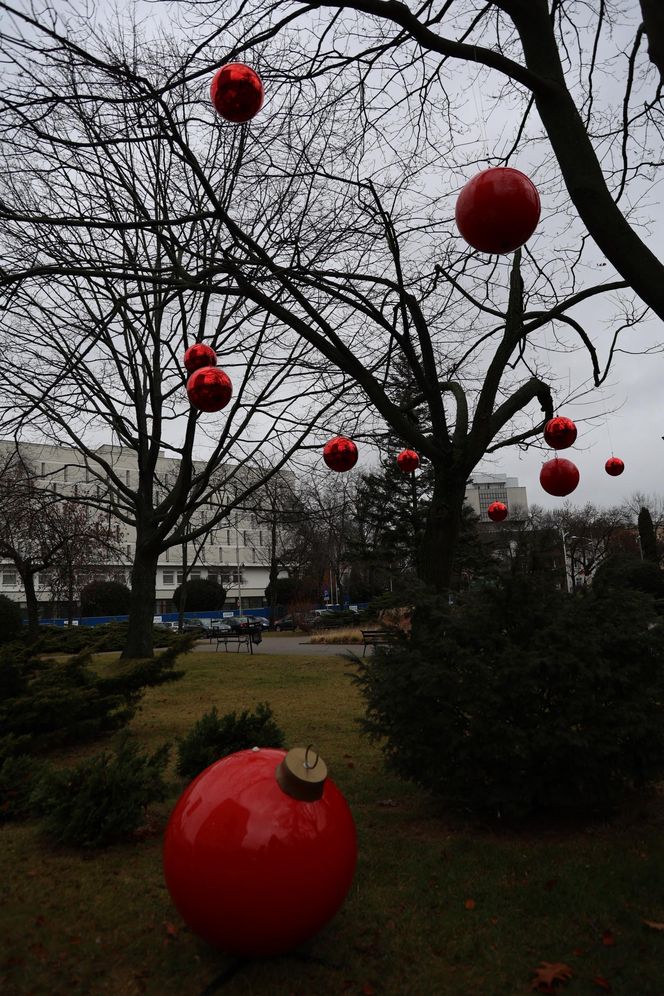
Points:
point(235, 552)
point(483, 489)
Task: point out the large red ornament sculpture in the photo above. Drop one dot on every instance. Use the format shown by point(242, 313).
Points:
point(498, 210)
point(497, 511)
point(614, 466)
point(340, 454)
point(237, 92)
point(260, 851)
point(209, 389)
point(407, 461)
point(560, 432)
point(199, 355)
point(559, 477)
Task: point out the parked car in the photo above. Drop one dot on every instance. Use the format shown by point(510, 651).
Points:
point(194, 626)
point(286, 622)
point(240, 624)
point(265, 623)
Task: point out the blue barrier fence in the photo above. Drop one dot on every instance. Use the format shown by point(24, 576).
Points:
point(172, 616)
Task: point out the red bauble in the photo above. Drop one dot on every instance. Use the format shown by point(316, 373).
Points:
point(559, 477)
point(497, 511)
point(209, 389)
point(252, 869)
point(199, 355)
point(340, 453)
point(237, 92)
point(408, 461)
point(614, 466)
point(498, 210)
point(560, 432)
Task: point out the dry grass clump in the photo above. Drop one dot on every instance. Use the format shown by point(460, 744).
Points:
point(351, 635)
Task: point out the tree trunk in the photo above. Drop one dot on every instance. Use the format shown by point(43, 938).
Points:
point(183, 589)
point(141, 611)
point(28, 579)
point(442, 527)
point(274, 571)
point(647, 537)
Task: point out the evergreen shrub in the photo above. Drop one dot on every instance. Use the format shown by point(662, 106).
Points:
point(517, 700)
point(213, 737)
point(11, 622)
point(19, 773)
point(105, 598)
point(201, 595)
point(103, 800)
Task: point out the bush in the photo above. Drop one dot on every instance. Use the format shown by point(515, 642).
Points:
point(201, 594)
point(102, 800)
point(18, 776)
point(11, 621)
point(105, 598)
point(106, 637)
point(211, 738)
point(58, 703)
point(517, 700)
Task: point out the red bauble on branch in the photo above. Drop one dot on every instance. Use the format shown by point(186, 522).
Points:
point(560, 432)
point(209, 389)
point(199, 355)
point(498, 210)
point(614, 466)
point(260, 851)
point(408, 461)
point(237, 92)
point(497, 511)
point(559, 477)
point(340, 453)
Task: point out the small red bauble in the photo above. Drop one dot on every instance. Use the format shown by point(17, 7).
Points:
point(614, 466)
point(560, 432)
point(237, 92)
point(209, 389)
point(559, 477)
point(199, 355)
point(408, 461)
point(498, 210)
point(252, 869)
point(340, 453)
point(497, 511)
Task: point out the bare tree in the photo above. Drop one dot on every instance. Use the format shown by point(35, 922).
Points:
point(314, 234)
point(42, 534)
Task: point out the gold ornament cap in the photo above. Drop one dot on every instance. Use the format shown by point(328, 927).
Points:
point(302, 774)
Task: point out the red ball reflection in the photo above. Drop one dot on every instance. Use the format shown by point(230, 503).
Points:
point(560, 432)
point(408, 460)
point(237, 92)
point(614, 466)
point(251, 869)
point(209, 389)
point(498, 210)
point(340, 453)
point(199, 355)
point(497, 511)
point(559, 477)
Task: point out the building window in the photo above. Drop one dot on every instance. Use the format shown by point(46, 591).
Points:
point(244, 537)
point(43, 469)
point(167, 556)
point(127, 477)
point(169, 577)
point(129, 549)
point(9, 579)
point(65, 473)
point(228, 537)
point(195, 575)
point(260, 537)
point(179, 577)
point(213, 576)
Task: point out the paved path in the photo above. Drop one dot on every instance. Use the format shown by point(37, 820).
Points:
point(288, 645)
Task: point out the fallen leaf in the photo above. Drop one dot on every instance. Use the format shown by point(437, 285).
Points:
point(653, 924)
point(469, 904)
point(603, 983)
point(368, 989)
point(350, 764)
point(608, 939)
point(171, 929)
point(548, 974)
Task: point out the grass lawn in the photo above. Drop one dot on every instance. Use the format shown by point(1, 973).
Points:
point(436, 907)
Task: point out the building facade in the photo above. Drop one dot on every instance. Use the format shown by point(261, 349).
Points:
point(235, 552)
point(483, 489)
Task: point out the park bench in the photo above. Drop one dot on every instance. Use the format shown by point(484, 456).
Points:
point(246, 638)
point(377, 637)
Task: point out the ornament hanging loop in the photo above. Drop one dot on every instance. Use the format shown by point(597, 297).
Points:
point(307, 765)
